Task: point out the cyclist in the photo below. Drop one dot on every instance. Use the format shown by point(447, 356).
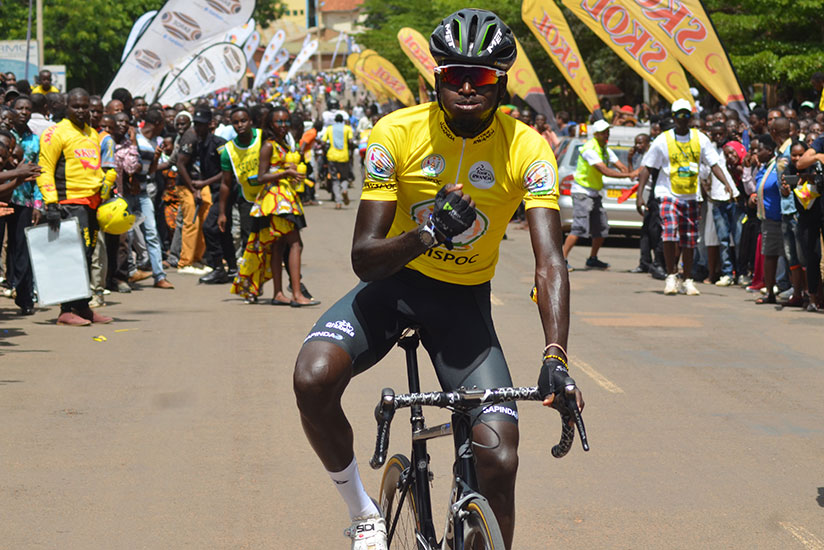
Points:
point(442, 181)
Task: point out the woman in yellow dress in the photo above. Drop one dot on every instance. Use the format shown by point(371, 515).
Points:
point(278, 204)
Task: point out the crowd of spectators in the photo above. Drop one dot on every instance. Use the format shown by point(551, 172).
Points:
point(174, 171)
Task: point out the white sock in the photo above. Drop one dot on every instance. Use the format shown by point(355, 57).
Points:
point(350, 487)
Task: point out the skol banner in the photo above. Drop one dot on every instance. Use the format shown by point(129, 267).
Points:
point(218, 66)
point(137, 29)
point(240, 34)
point(546, 21)
point(280, 59)
point(416, 48)
point(180, 28)
point(684, 27)
point(309, 48)
point(630, 38)
point(382, 70)
point(354, 64)
point(251, 46)
point(268, 56)
point(523, 82)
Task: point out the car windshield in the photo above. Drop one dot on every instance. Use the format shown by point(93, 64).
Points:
point(620, 151)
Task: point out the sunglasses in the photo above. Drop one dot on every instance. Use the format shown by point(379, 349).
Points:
point(455, 75)
point(281, 122)
point(682, 114)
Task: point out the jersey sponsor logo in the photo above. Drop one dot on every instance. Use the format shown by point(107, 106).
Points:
point(482, 175)
point(540, 178)
point(484, 136)
point(422, 210)
point(447, 132)
point(181, 26)
point(433, 165)
point(88, 158)
point(343, 326)
point(379, 163)
point(446, 256)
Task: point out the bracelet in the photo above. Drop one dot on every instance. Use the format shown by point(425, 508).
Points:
point(559, 346)
point(559, 358)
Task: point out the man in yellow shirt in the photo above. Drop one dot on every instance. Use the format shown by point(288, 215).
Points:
point(338, 141)
point(443, 179)
point(44, 85)
point(70, 183)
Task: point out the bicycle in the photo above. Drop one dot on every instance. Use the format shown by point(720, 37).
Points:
point(405, 492)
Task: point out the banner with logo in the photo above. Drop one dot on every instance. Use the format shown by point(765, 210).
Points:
point(239, 35)
point(354, 64)
point(630, 38)
point(180, 28)
point(416, 48)
point(523, 82)
point(251, 46)
point(546, 21)
point(688, 33)
point(218, 66)
point(268, 56)
point(382, 70)
point(308, 50)
point(280, 59)
point(137, 29)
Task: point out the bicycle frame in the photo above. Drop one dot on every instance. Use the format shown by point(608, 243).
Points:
point(465, 483)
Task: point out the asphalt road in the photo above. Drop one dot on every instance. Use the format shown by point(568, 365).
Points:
point(705, 416)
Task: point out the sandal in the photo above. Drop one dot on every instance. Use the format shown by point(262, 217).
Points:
point(766, 300)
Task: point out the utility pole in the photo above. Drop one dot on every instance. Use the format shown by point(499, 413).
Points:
point(40, 45)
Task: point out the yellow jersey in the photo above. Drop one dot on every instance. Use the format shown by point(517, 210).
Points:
point(70, 159)
point(412, 153)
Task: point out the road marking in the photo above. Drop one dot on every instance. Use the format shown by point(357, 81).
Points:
point(495, 300)
point(810, 541)
point(599, 379)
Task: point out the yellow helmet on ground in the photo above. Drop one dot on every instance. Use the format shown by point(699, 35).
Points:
point(113, 216)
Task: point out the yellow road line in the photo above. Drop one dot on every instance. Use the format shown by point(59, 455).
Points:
point(600, 379)
point(495, 300)
point(810, 541)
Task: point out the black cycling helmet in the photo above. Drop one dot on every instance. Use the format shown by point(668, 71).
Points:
point(473, 37)
point(333, 104)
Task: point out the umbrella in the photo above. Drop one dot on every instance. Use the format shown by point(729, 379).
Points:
point(608, 90)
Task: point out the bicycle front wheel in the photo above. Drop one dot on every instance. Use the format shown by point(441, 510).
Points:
point(398, 504)
point(481, 531)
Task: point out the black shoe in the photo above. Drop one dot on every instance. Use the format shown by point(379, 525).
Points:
point(27, 310)
point(232, 273)
point(304, 291)
point(595, 263)
point(215, 277)
point(658, 273)
point(638, 269)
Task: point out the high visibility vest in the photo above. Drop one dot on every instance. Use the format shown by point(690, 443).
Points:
point(684, 158)
point(587, 175)
point(245, 166)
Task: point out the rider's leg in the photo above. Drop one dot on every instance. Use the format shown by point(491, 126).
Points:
point(322, 372)
point(497, 467)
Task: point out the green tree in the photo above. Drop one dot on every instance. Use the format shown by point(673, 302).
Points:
point(88, 36)
point(773, 41)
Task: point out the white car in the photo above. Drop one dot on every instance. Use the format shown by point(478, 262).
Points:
point(623, 217)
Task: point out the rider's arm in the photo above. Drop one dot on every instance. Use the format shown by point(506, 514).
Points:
point(551, 275)
point(373, 255)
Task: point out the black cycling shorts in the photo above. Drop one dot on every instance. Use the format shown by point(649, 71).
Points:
point(455, 324)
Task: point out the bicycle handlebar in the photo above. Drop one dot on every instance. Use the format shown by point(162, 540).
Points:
point(465, 400)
